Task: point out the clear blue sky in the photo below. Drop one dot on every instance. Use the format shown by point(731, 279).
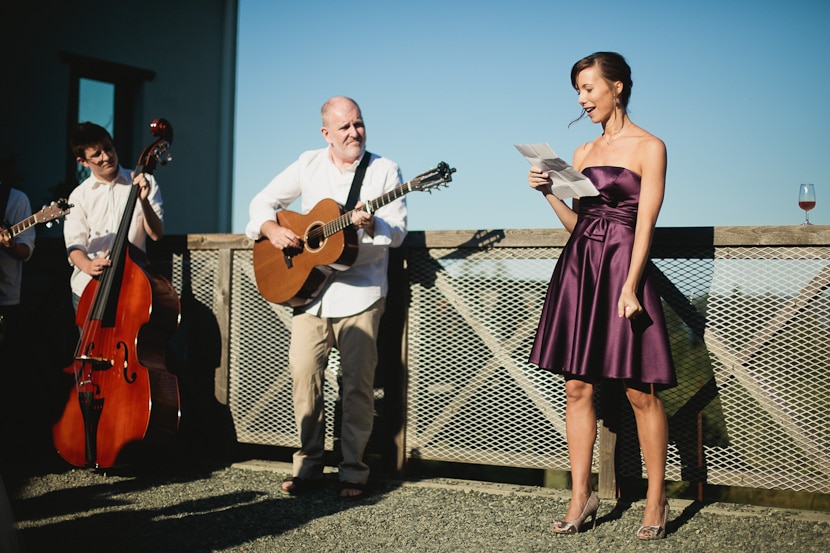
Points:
point(739, 91)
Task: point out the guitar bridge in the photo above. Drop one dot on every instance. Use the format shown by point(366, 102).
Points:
point(289, 253)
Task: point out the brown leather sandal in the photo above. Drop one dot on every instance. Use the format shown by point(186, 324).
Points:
point(348, 489)
point(298, 486)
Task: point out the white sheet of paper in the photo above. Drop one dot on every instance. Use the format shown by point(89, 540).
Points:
point(567, 181)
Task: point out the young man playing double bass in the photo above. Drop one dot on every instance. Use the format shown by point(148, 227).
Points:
point(98, 203)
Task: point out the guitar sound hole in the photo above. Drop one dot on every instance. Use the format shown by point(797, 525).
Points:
point(314, 240)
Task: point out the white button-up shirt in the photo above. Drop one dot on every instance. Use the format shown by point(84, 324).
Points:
point(92, 223)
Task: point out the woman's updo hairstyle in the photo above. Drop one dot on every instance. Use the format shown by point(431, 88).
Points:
point(613, 67)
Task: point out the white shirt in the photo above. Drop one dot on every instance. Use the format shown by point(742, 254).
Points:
point(314, 177)
point(92, 223)
point(18, 208)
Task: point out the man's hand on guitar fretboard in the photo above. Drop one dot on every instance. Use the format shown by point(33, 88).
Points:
point(362, 219)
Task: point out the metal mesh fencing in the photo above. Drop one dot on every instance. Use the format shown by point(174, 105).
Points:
point(471, 389)
point(749, 334)
point(748, 326)
point(769, 343)
point(260, 379)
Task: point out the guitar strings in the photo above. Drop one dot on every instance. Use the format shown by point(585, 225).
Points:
point(327, 229)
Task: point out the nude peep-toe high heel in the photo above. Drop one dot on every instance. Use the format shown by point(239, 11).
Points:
point(574, 526)
point(654, 532)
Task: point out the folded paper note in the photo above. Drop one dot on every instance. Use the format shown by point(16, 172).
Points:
point(567, 181)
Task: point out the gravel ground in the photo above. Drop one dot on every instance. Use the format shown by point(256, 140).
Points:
point(240, 509)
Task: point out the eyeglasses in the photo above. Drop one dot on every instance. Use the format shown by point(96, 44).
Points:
point(98, 155)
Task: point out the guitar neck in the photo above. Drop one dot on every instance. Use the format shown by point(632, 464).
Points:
point(25, 224)
point(439, 176)
point(345, 220)
point(389, 197)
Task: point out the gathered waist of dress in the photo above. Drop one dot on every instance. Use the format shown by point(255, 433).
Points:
point(623, 214)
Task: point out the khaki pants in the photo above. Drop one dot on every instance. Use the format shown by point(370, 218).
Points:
point(355, 338)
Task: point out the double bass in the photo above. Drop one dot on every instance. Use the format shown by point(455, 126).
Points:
point(123, 392)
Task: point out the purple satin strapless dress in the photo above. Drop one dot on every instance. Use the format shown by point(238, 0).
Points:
point(579, 332)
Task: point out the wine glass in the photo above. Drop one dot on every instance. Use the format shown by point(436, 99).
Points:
point(806, 200)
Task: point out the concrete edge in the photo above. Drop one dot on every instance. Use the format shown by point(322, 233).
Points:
point(496, 488)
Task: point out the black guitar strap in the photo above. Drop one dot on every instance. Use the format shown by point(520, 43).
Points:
point(357, 182)
point(5, 190)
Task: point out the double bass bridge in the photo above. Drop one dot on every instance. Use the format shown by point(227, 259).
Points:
point(105, 364)
point(95, 363)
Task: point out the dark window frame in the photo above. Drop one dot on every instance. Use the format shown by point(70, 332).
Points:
point(128, 83)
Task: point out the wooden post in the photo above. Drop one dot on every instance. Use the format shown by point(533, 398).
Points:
point(607, 487)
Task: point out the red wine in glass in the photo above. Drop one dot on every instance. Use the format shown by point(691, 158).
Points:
point(806, 200)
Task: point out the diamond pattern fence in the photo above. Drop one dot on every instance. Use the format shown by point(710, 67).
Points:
point(749, 328)
point(749, 331)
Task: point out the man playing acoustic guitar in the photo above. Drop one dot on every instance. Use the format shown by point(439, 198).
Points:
point(346, 311)
point(14, 250)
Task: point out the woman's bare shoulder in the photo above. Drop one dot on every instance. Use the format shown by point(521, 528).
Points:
point(581, 153)
point(651, 155)
point(651, 142)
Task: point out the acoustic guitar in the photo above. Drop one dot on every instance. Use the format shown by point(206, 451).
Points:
point(296, 276)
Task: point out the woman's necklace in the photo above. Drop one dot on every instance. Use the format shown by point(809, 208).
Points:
point(613, 137)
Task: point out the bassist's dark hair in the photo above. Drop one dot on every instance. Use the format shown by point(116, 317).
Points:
point(87, 135)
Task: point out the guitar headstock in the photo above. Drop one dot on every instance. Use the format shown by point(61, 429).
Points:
point(55, 210)
point(434, 178)
point(158, 152)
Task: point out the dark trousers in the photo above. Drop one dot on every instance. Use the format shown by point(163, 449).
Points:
point(10, 321)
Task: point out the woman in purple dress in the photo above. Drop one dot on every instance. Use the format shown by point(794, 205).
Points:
point(602, 316)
